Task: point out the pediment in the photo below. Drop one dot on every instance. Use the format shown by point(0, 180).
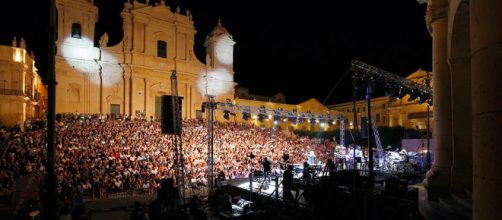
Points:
point(158, 12)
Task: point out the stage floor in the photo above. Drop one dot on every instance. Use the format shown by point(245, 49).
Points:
point(264, 190)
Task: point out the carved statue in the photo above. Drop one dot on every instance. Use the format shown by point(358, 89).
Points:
point(14, 42)
point(103, 41)
point(22, 43)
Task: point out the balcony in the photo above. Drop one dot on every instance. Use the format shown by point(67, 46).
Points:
point(17, 92)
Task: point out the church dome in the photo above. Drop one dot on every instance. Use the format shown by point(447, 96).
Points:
point(219, 30)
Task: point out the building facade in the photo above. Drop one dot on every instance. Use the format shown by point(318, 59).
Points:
point(22, 93)
point(131, 76)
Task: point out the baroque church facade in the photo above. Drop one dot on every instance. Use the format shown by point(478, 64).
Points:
point(131, 76)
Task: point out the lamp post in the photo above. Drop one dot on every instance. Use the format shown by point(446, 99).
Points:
point(429, 161)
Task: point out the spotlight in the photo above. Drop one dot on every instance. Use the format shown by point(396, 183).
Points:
point(261, 117)
point(226, 114)
point(358, 82)
point(313, 121)
point(245, 116)
point(391, 91)
point(276, 119)
point(423, 98)
point(285, 120)
point(401, 93)
point(413, 96)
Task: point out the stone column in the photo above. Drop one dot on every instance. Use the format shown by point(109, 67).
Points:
point(486, 67)
point(460, 68)
point(438, 178)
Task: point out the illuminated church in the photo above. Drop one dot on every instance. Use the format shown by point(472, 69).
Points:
point(131, 76)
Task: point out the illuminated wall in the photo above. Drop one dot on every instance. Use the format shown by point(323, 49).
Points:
point(22, 94)
point(131, 75)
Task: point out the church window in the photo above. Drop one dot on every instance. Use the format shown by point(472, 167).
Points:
point(74, 95)
point(76, 30)
point(161, 49)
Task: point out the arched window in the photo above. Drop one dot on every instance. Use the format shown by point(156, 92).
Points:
point(74, 95)
point(76, 30)
point(161, 49)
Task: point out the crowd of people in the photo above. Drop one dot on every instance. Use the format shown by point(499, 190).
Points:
point(102, 154)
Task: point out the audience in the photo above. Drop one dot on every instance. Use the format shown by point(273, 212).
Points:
point(98, 155)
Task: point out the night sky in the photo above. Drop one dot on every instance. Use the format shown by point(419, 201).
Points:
point(298, 48)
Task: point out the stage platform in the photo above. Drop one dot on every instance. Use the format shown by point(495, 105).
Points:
point(263, 191)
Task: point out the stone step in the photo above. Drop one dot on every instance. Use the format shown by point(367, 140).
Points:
point(463, 200)
point(454, 206)
point(445, 212)
point(428, 212)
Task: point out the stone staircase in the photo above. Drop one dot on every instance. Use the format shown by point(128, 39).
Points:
point(453, 206)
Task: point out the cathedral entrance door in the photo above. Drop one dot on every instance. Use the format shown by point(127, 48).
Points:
point(115, 109)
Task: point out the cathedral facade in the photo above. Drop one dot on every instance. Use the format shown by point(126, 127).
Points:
point(131, 76)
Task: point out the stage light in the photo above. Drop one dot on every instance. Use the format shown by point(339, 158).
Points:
point(391, 91)
point(255, 117)
point(261, 117)
point(401, 93)
point(276, 119)
point(245, 116)
point(285, 120)
point(276, 122)
point(358, 82)
point(300, 120)
point(413, 96)
point(313, 121)
point(422, 99)
point(322, 124)
point(226, 114)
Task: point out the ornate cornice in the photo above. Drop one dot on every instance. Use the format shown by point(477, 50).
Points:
point(434, 14)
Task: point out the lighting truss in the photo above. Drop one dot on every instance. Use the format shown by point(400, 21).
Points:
point(363, 71)
point(275, 113)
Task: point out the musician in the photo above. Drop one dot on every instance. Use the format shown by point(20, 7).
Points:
point(287, 183)
point(267, 167)
point(284, 164)
point(311, 158)
point(330, 168)
point(306, 171)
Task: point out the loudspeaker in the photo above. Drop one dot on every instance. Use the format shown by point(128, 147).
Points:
point(166, 122)
point(364, 127)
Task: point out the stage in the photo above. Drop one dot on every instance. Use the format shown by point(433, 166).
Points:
point(263, 191)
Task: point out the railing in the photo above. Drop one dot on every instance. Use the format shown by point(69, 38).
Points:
point(28, 93)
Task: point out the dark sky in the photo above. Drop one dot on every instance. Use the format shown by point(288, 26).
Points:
point(299, 48)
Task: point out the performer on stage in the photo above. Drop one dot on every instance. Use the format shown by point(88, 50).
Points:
point(311, 158)
point(287, 183)
point(266, 173)
point(266, 166)
point(330, 168)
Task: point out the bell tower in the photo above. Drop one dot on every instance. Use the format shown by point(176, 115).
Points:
point(76, 21)
point(220, 49)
